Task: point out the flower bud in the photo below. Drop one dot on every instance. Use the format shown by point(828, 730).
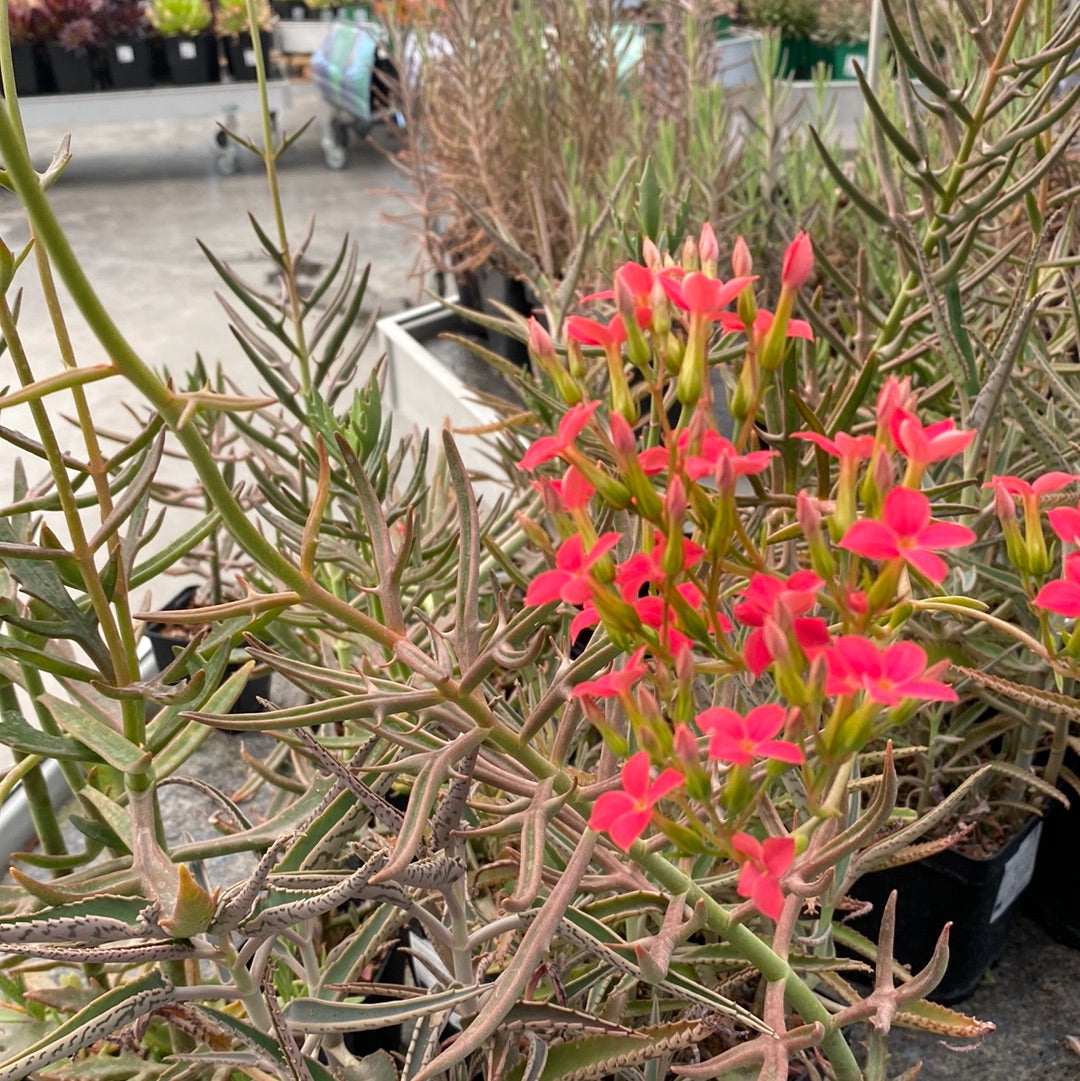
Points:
point(742, 262)
point(798, 262)
point(650, 254)
point(708, 250)
point(689, 258)
point(1005, 509)
point(685, 746)
point(576, 359)
point(808, 515)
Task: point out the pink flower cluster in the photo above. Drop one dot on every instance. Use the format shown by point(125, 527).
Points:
point(699, 601)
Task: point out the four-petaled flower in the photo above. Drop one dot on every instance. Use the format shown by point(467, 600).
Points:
point(906, 532)
point(1063, 594)
point(739, 740)
point(1065, 522)
point(552, 446)
point(923, 445)
point(570, 580)
point(699, 294)
point(624, 814)
point(848, 448)
point(764, 864)
point(887, 674)
point(618, 683)
point(768, 601)
point(714, 450)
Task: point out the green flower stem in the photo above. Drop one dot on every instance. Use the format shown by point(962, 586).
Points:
point(772, 966)
point(910, 287)
point(270, 156)
point(121, 645)
point(37, 791)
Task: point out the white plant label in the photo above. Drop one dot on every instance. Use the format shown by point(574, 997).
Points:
point(125, 54)
point(1018, 871)
point(249, 58)
point(187, 50)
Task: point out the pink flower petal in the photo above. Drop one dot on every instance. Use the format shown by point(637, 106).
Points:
point(764, 722)
point(871, 539)
point(906, 510)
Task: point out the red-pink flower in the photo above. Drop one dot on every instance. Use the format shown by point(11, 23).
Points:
point(1063, 594)
point(655, 612)
point(1065, 522)
point(574, 490)
point(608, 335)
point(798, 262)
point(763, 866)
point(761, 605)
point(907, 532)
point(623, 815)
point(739, 740)
point(617, 683)
point(553, 446)
point(699, 294)
point(923, 445)
point(715, 449)
point(887, 674)
point(848, 448)
point(763, 321)
point(570, 580)
point(644, 567)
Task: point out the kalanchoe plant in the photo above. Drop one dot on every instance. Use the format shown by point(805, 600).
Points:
point(605, 744)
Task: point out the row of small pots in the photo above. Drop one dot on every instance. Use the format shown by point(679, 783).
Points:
point(136, 64)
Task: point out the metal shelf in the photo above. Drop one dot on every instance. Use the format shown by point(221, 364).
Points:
point(151, 103)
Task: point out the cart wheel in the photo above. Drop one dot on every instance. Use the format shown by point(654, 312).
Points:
point(334, 156)
point(225, 160)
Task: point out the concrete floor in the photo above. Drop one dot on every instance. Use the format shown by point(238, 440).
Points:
point(133, 201)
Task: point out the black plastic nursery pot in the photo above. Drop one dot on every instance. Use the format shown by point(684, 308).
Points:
point(128, 64)
point(488, 291)
point(164, 639)
point(72, 69)
point(1053, 898)
point(192, 60)
point(24, 61)
point(240, 54)
point(977, 896)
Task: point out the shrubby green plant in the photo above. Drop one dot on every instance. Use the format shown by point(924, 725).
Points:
point(624, 853)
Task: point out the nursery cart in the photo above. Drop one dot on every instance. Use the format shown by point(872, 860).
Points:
point(224, 101)
point(354, 75)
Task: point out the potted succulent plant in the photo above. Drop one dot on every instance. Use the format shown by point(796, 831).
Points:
point(71, 34)
point(794, 22)
point(640, 844)
point(25, 30)
point(187, 39)
point(842, 35)
point(125, 44)
point(234, 32)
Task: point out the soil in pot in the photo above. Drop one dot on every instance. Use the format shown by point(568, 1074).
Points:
point(977, 896)
point(164, 637)
point(192, 60)
point(483, 291)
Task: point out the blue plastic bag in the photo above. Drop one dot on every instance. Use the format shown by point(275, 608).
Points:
point(342, 67)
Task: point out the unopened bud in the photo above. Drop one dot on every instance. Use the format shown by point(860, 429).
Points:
point(742, 262)
point(798, 262)
point(689, 258)
point(576, 359)
point(708, 250)
point(650, 254)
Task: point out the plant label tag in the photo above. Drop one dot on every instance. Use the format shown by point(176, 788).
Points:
point(298, 12)
point(249, 58)
point(849, 66)
point(1018, 871)
point(187, 50)
point(125, 54)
